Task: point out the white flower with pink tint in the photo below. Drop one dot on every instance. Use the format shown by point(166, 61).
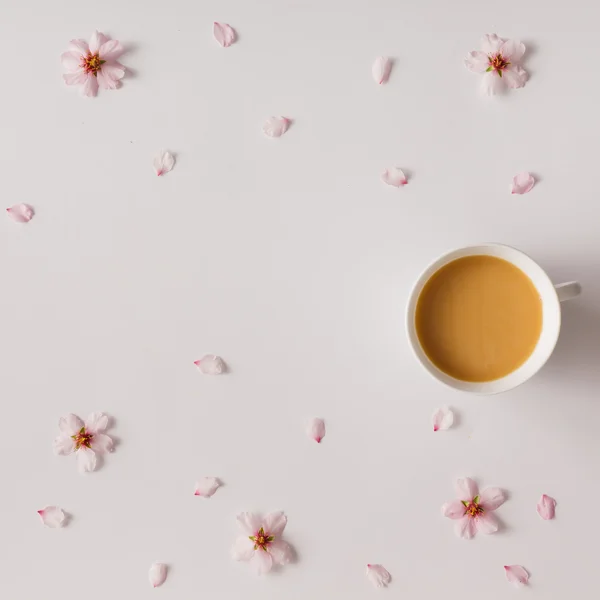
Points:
point(473, 511)
point(500, 63)
point(85, 440)
point(94, 64)
point(261, 543)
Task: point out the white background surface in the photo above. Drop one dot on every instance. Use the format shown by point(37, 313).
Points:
point(293, 261)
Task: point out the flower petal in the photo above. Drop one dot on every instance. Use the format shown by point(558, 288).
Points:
point(206, 487)
point(442, 418)
point(486, 523)
point(378, 575)
point(164, 163)
point(490, 43)
point(21, 213)
point(243, 548)
point(515, 76)
point(274, 523)
point(224, 34)
point(75, 78)
point(465, 528)
point(111, 50)
point(63, 445)
point(516, 575)
point(70, 424)
point(466, 489)
point(492, 498)
point(454, 510)
point(102, 443)
point(491, 83)
point(394, 176)
point(71, 61)
point(80, 46)
point(316, 430)
point(105, 81)
point(275, 127)
point(512, 50)
point(96, 422)
point(211, 364)
point(96, 41)
point(90, 86)
point(546, 507)
point(381, 69)
point(261, 562)
point(477, 62)
point(281, 552)
point(157, 574)
point(522, 183)
point(52, 516)
point(249, 522)
point(86, 460)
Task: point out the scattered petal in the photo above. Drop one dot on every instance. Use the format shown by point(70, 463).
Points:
point(275, 127)
point(21, 213)
point(157, 574)
point(211, 364)
point(52, 516)
point(206, 487)
point(522, 183)
point(394, 176)
point(546, 507)
point(224, 34)
point(516, 575)
point(316, 430)
point(378, 575)
point(163, 163)
point(442, 418)
point(381, 69)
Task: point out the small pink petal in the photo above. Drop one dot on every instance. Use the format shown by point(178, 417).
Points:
point(316, 430)
point(206, 487)
point(522, 183)
point(275, 127)
point(546, 507)
point(163, 163)
point(21, 213)
point(211, 364)
point(157, 574)
point(516, 575)
point(394, 176)
point(381, 69)
point(52, 516)
point(378, 575)
point(224, 34)
point(442, 418)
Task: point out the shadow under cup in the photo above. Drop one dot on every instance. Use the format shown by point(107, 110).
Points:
point(550, 319)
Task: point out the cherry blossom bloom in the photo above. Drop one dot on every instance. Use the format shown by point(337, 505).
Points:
point(93, 65)
point(261, 542)
point(83, 439)
point(52, 516)
point(472, 511)
point(378, 575)
point(546, 507)
point(500, 62)
point(516, 575)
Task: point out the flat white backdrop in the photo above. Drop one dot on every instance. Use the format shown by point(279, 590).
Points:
point(293, 261)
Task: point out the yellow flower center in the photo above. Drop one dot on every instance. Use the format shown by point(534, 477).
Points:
point(92, 63)
point(261, 539)
point(497, 63)
point(82, 438)
point(473, 508)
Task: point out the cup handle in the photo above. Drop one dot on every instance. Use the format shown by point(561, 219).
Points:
point(566, 291)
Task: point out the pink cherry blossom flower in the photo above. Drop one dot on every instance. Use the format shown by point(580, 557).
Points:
point(261, 542)
point(93, 65)
point(472, 511)
point(500, 62)
point(83, 439)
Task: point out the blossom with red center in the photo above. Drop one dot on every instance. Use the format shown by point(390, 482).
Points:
point(83, 439)
point(473, 511)
point(499, 61)
point(261, 542)
point(93, 65)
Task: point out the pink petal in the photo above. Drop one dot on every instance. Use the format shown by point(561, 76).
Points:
point(111, 50)
point(465, 528)
point(102, 443)
point(157, 574)
point(71, 61)
point(512, 50)
point(486, 523)
point(454, 510)
point(211, 364)
point(490, 43)
point(90, 86)
point(491, 83)
point(164, 163)
point(546, 507)
point(261, 562)
point(522, 183)
point(477, 62)
point(442, 419)
point(243, 548)
point(249, 522)
point(75, 78)
point(21, 213)
point(63, 445)
point(224, 34)
point(378, 575)
point(492, 498)
point(96, 422)
point(275, 127)
point(106, 82)
point(381, 69)
point(394, 176)
point(80, 46)
point(466, 489)
point(86, 460)
point(52, 516)
point(316, 430)
point(281, 552)
point(113, 70)
point(515, 76)
point(516, 575)
point(274, 523)
point(70, 424)
point(206, 487)
point(96, 41)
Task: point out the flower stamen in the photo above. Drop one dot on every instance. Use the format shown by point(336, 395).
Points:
point(92, 63)
point(497, 63)
point(82, 438)
point(473, 508)
point(261, 539)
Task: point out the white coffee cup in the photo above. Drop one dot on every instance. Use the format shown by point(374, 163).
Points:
point(550, 295)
